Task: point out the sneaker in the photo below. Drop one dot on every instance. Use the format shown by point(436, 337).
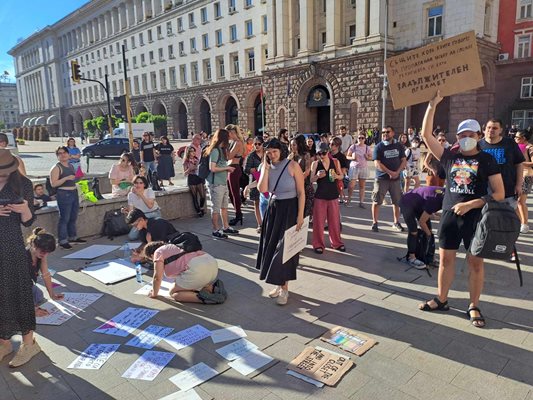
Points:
point(219, 234)
point(229, 230)
point(361, 205)
point(375, 227)
point(524, 228)
point(65, 246)
point(78, 240)
point(5, 350)
point(398, 227)
point(416, 263)
point(275, 292)
point(283, 297)
point(25, 354)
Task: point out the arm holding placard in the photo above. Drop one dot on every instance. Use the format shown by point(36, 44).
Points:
point(427, 127)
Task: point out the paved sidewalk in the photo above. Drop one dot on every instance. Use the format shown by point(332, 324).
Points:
point(419, 356)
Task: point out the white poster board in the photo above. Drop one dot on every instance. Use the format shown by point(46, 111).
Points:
point(94, 356)
point(294, 241)
point(181, 395)
point(151, 336)
point(193, 376)
point(126, 322)
point(113, 271)
point(188, 336)
point(149, 365)
point(250, 361)
point(226, 334)
point(61, 311)
point(236, 349)
point(164, 289)
point(92, 252)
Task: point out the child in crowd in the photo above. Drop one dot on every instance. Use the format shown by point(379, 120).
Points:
point(40, 244)
point(40, 198)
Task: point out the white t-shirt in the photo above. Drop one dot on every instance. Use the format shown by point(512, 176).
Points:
point(347, 141)
point(137, 202)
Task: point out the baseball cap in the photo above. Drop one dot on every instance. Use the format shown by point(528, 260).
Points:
point(322, 147)
point(469, 125)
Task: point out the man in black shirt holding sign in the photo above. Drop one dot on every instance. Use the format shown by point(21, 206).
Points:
point(389, 159)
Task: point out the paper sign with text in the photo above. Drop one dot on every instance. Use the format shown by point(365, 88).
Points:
point(126, 322)
point(149, 365)
point(94, 356)
point(321, 365)
point(451, 65)
point(294, 241)
point(62, 310)
point(188, 336)
point(349, 340)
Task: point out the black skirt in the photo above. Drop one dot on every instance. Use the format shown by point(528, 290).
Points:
point(165, 167)
point(280, 215)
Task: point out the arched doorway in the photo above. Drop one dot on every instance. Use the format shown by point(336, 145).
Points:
point(159, 109)
point(318, 104)
point(231, 111)
point(140, 108)
point(205, 117)
point(259, 115)
point(69, 124)
point(179, 119)
point(78, 123)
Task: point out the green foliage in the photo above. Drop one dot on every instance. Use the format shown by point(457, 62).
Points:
point(2, 125)
point(159, 121)
point(143, 117)
point(89, 125)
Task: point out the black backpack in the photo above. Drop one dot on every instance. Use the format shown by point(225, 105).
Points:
point(187, 241)
point(425, 247)
point(203, 166)
point(114, 224)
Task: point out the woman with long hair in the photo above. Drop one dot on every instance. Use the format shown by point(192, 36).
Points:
point(121, 175)
point(141, 197)
point(522, 139)
point(470, 173)
point(74, 154)
point(195, 183)
point(432, 165)
point(165, 160)
point(300, 154)
point(235, 155)
point(284, 180)
point(251, 167)
point(218, 151)
point(360, 154)
point(17, 313)
point(412, 169)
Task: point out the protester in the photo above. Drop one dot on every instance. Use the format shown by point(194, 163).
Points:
point(235, 155)
point(359, 154)
point(335, 151)
point(74, 154)
point(17, 313)
point(389, 159)
point(194, 182)
point(418, 205)
point(284, 180)
point(62, 177)
point(165, 161)
point(121, 175)
point(300, 154)
point(40, 198)
point(412, 170)
point(197, 143)
point(4, 143)
point(435, 173)
point(148, 154)
point(325, 172)
point(469, 174)
point(141, 197)
point(522, 139)
point(193, 272)
point(39, 245)
point(136, 151)
point(346, 139)
point(251, 167)
point(217, 185)
point(311, 147)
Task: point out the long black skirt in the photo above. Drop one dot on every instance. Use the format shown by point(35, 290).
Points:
point(165, 167)
point(280, 215)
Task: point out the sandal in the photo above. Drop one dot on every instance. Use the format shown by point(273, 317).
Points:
point(475, 320)
point(441, 306)
point(319, 250)
point(341, 248)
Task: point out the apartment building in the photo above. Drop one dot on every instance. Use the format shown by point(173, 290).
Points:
point(9, 108)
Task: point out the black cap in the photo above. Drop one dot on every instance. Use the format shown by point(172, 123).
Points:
point(322, 147)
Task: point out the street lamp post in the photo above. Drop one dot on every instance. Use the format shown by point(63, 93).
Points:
point(385, 81)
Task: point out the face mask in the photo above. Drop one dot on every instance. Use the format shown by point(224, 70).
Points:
point(385, 142)
point(467, 143)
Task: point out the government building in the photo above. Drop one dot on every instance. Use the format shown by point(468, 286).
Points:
point(313, 64)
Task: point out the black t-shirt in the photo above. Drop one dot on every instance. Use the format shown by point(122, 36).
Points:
point(467, 177)
point(136, 155)
point(342, 160)
point(326, 189)
point(507, 154)
point(159, 228)
point(147, 149)
point(390, 156)
point(423, 198)
point(165, 149)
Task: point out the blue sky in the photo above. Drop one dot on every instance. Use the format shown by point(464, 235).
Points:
point(21, 18)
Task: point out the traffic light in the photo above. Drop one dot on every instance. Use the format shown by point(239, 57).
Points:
point(119, 104)
point(76, 73)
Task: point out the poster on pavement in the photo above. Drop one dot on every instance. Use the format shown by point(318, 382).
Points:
point(92, 252)
point(94, 356)
point(61, 311)
point(126, 322)
point(149, 365)
point(451, 65)
point(349, 340)
point(149, 337)
point(321, 365)
point(111, 271)
point(236, 349)
point(188, 336)
point(193, 376)
point(228, 333)
point(250, 362)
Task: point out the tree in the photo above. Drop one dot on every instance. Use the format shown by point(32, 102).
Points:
point(143, 117)
point(89, 125)
point(2, 125)
point(159, 121)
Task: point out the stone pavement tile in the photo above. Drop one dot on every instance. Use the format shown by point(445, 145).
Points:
point(489, 386)
point(474, 357)
point(300, 330)
point(126, 391)
point(376, 389)
point(381, 367)
point(510, 334)
point(4, 387)
point(249, 308)
point(455, 326)
point(270, 396)
point(426, 387)
point(231, 385)
point(518, 353)
point(347, 308)
point(434, 365)
point(421, 339)
point(380, 320)
point(518, 371)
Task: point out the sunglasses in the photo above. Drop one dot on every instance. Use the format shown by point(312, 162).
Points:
point(322, 153)
point(385, 131)
point(362, 137)
point(138, 183)
point(258, 144)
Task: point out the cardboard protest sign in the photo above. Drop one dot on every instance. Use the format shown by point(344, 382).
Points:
point(321, 365)
point(349, 340)
point(451, 65)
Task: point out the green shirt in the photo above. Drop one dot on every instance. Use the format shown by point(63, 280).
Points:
point(219, 158)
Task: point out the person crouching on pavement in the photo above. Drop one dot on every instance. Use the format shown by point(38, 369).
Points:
point(193, 272)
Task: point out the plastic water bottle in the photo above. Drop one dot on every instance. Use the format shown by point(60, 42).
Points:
point(138, 273)
point(127, 251)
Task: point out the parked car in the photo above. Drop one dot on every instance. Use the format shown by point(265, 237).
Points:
point(107, 147)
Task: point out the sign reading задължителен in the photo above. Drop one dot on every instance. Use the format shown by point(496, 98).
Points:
point(451, 65)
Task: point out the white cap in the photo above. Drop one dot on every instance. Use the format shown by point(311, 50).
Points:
point(469, 125)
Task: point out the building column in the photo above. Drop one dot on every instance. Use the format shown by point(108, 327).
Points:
point(377, 17)
point(282, 28)
point(307, 27)
point(361, 23)
point(334, 24)
point(271, 28)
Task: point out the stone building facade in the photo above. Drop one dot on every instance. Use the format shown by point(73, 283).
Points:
point(9, 107)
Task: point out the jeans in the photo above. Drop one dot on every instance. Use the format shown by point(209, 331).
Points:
point(149, 166)
point(263, 205)
point(69, 206)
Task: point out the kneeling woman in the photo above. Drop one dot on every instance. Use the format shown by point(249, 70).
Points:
point(194, 272)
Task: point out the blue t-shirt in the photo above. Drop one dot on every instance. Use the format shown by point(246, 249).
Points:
point(390, 156)
point(423, 198)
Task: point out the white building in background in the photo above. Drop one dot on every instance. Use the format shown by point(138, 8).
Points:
point(205, 63)
point(9, 107)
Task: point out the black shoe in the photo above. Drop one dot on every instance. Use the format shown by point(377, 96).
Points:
point(219, 234)
point(78, 240)
point(231, 231)
point(65, 246)
point(235, 221)
point(375, 227)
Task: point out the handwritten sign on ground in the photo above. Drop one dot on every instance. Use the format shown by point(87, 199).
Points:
point(188, 336)
point(164, 290)
point(113, 271)
point(193, 376)
point(349, 340)
point(236, 349)
point(151, 336)
point(92, 252)
point(229, 333)
point(451, 65)
point(149, 365)
point(61, 311)
point(321, 365)
point(126, 322)
point(294, 241)
point(94, 356)
point(250, 361)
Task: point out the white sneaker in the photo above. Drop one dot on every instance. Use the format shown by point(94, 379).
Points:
point(25, 354)
point(275, 292)
point(416, 263)
point(524, 228)
point(283, 297)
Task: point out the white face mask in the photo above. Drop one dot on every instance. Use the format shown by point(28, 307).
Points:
point(467, 143)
